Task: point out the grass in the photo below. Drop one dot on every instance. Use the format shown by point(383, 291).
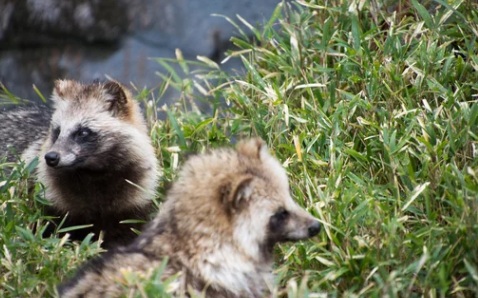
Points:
point(372, 108)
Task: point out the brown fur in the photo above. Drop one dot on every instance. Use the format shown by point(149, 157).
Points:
point(218, 227)
point(107, 168)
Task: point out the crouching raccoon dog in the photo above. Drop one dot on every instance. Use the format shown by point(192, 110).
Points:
point(97, 162)
point(217, 229)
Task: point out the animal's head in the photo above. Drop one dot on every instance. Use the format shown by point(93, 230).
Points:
point(88, 124)
point(260, 202)
point(244, 193)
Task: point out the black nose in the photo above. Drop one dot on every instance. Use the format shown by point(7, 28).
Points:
point(52, 158)
point(314, 229)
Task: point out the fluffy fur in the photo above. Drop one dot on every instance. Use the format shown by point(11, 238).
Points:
point(19, 125)
point(218, 228)
point(97, 162)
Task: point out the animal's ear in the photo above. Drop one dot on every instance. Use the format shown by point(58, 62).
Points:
point(235, 195)
point(64, 87)
point(254, 148)
point(116, 98)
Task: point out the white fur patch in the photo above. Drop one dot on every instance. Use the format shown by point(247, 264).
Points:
point(67, 159)
point(229, 269)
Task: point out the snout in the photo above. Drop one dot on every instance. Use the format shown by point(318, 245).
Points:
point(52, 158)
point(301, 226)
point(59, 159)
point(314, 228)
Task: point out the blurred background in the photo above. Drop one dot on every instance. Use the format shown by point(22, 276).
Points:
point(43, 40)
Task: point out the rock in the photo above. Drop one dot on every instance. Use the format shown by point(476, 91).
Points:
point(34, 22)
point(91, 39)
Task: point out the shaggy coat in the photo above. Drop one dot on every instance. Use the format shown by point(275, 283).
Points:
point(217, 229)
point(19, 125)
point(97, 162)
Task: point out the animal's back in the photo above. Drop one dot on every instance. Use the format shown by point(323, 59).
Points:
point(19, 126)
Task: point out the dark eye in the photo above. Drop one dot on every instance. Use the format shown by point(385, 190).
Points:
point(278, 221)
point(55, 132)
point(83, 134)
point(281, 215)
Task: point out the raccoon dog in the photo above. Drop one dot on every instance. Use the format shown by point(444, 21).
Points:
point(217, 228)
point(97, 162)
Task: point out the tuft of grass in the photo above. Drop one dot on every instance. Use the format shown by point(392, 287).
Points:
point(371, 107)
point(30, 264)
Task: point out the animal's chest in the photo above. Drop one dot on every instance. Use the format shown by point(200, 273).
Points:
point(94, 191)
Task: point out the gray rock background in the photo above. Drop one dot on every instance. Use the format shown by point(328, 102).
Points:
point(43, 40)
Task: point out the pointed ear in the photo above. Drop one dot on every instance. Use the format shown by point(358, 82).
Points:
point(235, 195)
point(117, 98)
point(64, 87)
point(253, 148)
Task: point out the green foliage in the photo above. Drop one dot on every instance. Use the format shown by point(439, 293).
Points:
point(371, 107)
point(31, 265)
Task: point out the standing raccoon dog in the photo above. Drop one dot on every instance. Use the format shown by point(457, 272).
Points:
point(97, 162)
point(217, 228)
